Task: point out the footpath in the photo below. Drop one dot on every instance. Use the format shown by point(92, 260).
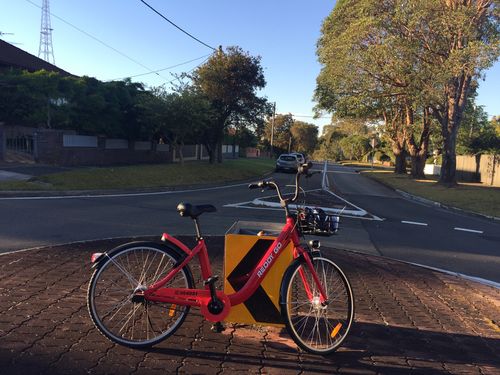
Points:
point(408, 320)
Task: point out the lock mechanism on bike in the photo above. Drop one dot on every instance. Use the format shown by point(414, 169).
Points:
point(314, 244)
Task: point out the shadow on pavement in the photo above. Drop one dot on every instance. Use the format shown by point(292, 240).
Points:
point(408, 319)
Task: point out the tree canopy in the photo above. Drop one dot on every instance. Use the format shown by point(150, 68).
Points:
point(85, 104)
point(229, 80)
point(304, 137)
point(405, 62)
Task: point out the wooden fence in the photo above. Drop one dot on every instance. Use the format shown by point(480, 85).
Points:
point(479, 168)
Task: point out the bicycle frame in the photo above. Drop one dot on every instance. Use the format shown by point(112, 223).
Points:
point(201, 297)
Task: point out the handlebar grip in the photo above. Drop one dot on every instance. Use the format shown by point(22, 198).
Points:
point(262, 185)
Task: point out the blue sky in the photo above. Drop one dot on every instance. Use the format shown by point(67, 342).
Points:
point(282, 32)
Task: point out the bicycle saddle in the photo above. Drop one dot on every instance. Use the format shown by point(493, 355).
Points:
point(188, 210)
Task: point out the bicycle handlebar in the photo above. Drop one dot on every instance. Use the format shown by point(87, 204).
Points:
point(303, 169)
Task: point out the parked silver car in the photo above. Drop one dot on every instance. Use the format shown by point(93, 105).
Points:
point(300, 157)
point(287, 162)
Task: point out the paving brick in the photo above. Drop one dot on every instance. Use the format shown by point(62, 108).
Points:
point(408, 320)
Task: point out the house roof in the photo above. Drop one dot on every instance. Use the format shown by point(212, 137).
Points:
point(11, 56)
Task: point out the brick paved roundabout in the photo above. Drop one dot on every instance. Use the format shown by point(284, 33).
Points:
point(408, 320)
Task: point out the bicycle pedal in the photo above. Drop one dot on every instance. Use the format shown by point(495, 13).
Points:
point(218, 327)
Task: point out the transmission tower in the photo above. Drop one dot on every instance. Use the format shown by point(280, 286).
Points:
point(45, 50)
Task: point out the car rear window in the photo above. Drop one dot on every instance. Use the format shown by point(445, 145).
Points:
point(288, 158)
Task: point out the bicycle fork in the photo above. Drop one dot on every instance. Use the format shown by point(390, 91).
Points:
point(321, 301)
point(323, 298)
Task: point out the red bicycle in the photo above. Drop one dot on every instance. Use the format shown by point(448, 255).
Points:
point(141, 292)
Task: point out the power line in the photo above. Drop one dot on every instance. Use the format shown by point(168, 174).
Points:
point(178, 27)
point(100, 41)
point(203, 62)
point(311, 116)
point(161, 70)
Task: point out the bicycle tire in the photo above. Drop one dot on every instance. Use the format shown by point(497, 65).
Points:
point(317, 328)
point(136, 324)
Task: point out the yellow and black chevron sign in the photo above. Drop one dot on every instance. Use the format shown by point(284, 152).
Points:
point(242, 254)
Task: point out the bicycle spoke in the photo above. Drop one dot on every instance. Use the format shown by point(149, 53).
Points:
point(132, 280)
point(313, 324)
point(112, 292)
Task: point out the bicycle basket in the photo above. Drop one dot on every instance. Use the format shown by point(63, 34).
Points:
point(318, 222)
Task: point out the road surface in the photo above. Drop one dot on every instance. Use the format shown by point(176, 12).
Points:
point(408, 231)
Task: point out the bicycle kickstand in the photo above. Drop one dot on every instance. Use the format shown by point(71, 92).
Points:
point(218, 327)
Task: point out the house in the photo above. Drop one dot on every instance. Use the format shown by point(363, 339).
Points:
point(12, 57)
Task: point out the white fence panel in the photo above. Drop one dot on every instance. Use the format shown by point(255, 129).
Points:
point(163, 147)
point(116, 144)
point(79, 141)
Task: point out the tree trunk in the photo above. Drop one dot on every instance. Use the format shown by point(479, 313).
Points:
point(181, 153)
point(393, 120)
point(400, 162)
point(449, 163)
point(417, 166)
point(219, 152)
point(418, 151)
point(211, 147)
point(450, 118)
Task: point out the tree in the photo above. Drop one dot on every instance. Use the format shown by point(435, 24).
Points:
point(304, 136)
point(85, 104)
point(354, 147)
point(456, 41)
point(407, 60)
point(25, 98)
point(495, 122)
point(329, 144)
point(367, 72)
point(229, 80)
point(279, 131)
point(176, 117)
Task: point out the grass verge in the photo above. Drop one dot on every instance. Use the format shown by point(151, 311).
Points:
point(473, 197)
point(145, 176)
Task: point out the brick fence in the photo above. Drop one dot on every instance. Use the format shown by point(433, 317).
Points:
point(66, 148)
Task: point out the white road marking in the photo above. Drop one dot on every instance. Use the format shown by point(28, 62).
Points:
point(359, 213)
point(123, 194)
point(468, 230)
point(342, 172)
point(413, 222)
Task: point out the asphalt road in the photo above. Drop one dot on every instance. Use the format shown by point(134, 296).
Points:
point(419, 233)
point(408, 230)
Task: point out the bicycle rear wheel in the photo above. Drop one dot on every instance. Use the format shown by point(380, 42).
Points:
point(129, 321)
point(316, 327)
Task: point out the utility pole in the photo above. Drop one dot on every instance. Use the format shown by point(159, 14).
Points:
point(45, 48)
point(272, 128)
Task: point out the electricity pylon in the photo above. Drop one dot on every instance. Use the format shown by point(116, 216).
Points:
point(45, 50)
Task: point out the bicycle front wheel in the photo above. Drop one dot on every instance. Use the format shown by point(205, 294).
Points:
point(317, 327)
point(113, 305)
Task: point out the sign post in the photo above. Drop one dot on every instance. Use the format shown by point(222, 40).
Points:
point(373, 143)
